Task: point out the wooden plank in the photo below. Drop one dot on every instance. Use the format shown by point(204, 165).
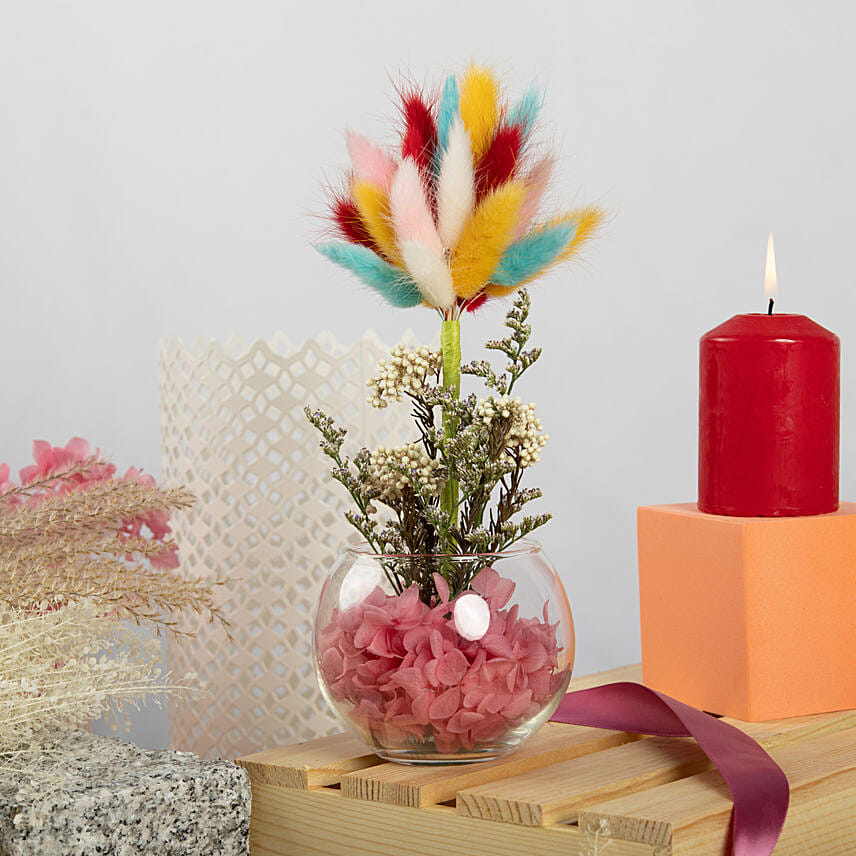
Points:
point(309, 765)
point(782, 732)
point(625, 803)
point(421, 786)
point(321, 822)
point(559, 791)
point(690, 817)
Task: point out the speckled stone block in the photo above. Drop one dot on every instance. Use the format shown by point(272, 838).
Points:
point(118, 800)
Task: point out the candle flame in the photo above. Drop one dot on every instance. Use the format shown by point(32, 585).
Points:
point(770, 288)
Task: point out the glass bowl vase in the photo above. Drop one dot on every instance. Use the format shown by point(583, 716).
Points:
point(442, 658)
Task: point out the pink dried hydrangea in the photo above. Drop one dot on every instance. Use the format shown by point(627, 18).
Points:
point(54, 459)
point(411, 677)
point(157, 523)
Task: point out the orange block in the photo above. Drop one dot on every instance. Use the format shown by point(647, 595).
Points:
point(750, 617)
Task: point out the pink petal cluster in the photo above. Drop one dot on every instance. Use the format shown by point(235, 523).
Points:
point(411, 678)
point(54, 459)
point(157, 523)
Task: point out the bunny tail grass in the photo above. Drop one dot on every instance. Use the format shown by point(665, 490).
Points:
point(525, 259)
point(420, 131)
point(417, 236)
point(349, 224)
point(586, 223)
point(479, 106)
point(446, 114)
point(485, 238)
point(499, 162)
point(430, 273)
point(588, 220)
point(371, 163)
point(410, 209)
point(373, 205)
point(525, 112)
point(536, 185)
point(455, 185)
point(377, 273)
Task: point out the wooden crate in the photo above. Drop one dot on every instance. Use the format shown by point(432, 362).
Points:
point(570, 791)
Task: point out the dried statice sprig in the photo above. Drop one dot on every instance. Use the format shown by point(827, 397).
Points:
point(494, 441)
point(513, 346)
point(406, 372)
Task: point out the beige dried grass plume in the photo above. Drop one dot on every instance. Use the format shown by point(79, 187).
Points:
point(75, 566)
point(73, 544)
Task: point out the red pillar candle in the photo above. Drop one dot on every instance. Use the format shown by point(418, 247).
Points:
point(768, 417)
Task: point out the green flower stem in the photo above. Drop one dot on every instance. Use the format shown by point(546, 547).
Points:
point(450, 345)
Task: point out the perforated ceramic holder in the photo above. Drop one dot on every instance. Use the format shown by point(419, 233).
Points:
point(269, 519)
point(749, 617)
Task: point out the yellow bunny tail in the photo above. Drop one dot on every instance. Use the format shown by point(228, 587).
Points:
point(588, 221)
point(479, 107)
point(485, 238)
point(373, 205)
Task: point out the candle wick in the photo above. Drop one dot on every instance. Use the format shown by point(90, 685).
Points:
point(770, 307)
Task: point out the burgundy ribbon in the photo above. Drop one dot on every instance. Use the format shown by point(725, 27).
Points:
point(758, 786)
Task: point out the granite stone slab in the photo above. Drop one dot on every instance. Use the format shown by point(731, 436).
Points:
point(114, 799)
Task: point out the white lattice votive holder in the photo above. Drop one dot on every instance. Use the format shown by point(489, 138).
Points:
point(268, 518)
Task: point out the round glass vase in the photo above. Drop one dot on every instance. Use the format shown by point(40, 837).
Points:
point(440, 658)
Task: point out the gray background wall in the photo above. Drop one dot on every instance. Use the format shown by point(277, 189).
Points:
point(161, 164)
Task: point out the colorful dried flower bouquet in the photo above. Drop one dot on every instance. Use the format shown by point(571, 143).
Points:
point(434, 639)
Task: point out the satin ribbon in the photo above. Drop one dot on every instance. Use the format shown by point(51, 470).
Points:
point(758, 786)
